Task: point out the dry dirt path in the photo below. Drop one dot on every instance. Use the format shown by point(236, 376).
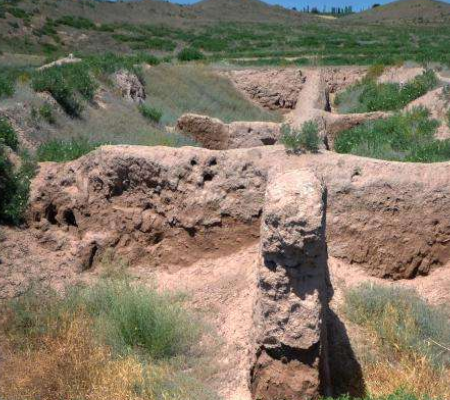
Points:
point(307, 100)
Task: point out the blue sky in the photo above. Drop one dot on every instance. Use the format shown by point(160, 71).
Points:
point(356, 4)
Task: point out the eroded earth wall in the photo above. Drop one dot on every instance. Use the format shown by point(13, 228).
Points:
point(291, 361)
point(148, 201)
point(388, 217)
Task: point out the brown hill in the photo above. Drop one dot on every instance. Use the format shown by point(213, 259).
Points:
point(405, 11)
point(158, 12)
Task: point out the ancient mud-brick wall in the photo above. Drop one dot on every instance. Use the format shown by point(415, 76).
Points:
point(291, 357)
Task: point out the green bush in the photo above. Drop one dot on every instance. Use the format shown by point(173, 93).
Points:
point(190, 54)
point(46, 113)
point(150, 113)
point(76, 22)
point(14, 188)
point(448, 117)
point(8, 136)
point(68, 84)
point(6, 86)
point(65, 150)
point(306, 138)
point(405, 136)
point(404, 320)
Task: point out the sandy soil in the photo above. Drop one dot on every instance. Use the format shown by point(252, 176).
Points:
point(223, 290)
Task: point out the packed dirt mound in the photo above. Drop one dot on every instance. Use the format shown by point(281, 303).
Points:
point(275, 89)
point(438, 103)
point(339, 78)
point(214, 134)
point(400, 75)
point(388, 216)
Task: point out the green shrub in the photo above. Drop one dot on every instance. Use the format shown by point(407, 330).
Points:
point(68, 84)
point(126, 317)
point(190, 54)
point(404, 320)
point(8, 136)
point(76, 22)
point(65, 150)
point(306, 138)
point(448, 117)
point(18, 13)
point(405, 136)
point(46, 113)
point(14, 188)
point(6, 86)
point(150, 113)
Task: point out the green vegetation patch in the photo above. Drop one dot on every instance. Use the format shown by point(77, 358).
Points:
point(368, 95)
point(407, 136)
point(150, 113)
point(307, 138)
point(190, 54)
point(403, 319)
point(69, 84)
point(8, 136)
point(6, 85)
point(118, 339)
point(76, 22)
point(65, 150)
point(14, 188)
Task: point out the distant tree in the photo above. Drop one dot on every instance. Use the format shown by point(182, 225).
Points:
point(376, 5)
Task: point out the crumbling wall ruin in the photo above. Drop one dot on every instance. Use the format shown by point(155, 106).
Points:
point(291, 361)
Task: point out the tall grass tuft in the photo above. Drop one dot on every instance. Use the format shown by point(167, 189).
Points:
point(411, 341)
point(65, 150)
point(116, 339)
point(190, 54)
point(6, 85)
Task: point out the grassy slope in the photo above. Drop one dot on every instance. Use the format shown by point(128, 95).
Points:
point(199, 90)
point(110, 118)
